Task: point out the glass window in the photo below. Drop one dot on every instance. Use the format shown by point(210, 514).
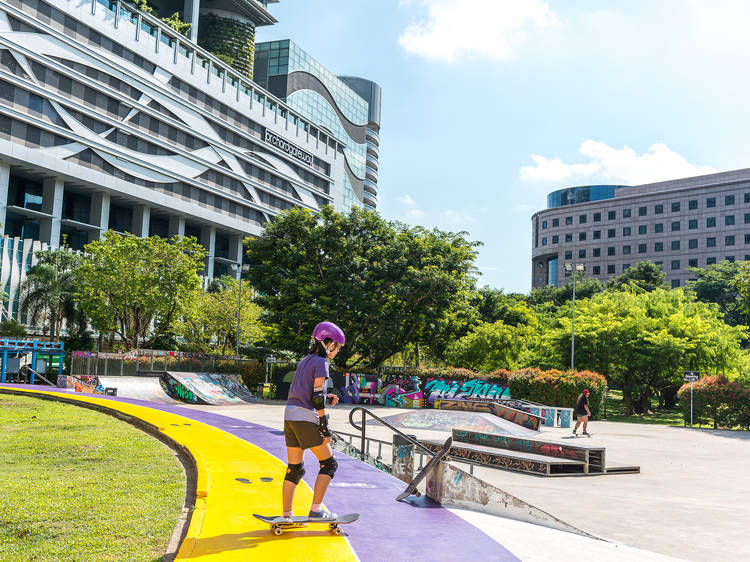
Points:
point(544, 224)
point(659, 247)
point(626, 231)
point(675, 264)
point(710, 222)
point(626, 250)
point(555, 239)
point(693, 243)
point(598, 251)
point(675, 244)
point(569, 255)
point(730, 259)
point(747, 200)
point(693, 204)
point(747, 218)
point(729, 200)
point(555, 222)
point(675, 225)
point(675, 282)
point(626, 213)
point(642, 229)
point(544, 241)
point(581, 253)
point(692, 224)
point(693, 262)
point(642, 211)
point(659, 227)
point(597, 217)
point(581, 236)
point(597, 234)
point(612, 215)
point(569, 237)
point(747, 239)
point(729, 220)
point(711, 202)
point(641, 248)
point(611, 233)
point(675, 206)
point(568, 220)
point(710, 261)
point(658, 209)
point(611, 251)
point(610, 269)
point(729, 240)
point(711, 242)
point(596, 270)
point(582, 219)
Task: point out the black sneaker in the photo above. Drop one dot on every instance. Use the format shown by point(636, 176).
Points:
point(322, 514)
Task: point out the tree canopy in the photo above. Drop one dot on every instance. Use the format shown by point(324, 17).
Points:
point(386, 284)
point(645, 275)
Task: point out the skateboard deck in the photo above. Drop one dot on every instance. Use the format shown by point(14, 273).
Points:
point(279, 523)
point(440, 455)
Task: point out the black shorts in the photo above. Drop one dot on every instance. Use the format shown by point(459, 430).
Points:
point(302, 434)
point(581, 414)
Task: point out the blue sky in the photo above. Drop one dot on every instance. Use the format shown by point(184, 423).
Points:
point(490, 104)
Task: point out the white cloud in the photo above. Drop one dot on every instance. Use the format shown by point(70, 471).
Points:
point(621, 165)
point(487, 28)
point(406, 199)
point(456, 217)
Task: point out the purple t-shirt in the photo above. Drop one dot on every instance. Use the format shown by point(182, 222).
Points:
point(299, 406)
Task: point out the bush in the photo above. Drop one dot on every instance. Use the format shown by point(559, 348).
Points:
point(558, 388)
point(718, 401)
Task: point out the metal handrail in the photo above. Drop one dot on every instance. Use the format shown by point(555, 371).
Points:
point(365, 412)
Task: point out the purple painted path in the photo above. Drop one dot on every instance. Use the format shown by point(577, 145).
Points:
point(387, 530)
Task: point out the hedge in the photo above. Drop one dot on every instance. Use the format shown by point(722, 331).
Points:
point(558, 388)
point(716, 400)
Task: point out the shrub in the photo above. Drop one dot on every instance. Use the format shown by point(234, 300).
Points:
point(558, 388)
point(716, 400)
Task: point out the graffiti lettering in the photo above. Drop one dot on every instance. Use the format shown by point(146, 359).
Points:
point(523, 445)
point(436, 389)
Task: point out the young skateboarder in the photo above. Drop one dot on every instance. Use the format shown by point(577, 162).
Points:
point(582, 412)
point(306, 421)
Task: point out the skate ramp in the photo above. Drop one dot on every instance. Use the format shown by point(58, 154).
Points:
point(140, 388)
point(448, 420)
point(217, 389)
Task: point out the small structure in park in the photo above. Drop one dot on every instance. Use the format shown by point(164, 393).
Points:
point(16, 363)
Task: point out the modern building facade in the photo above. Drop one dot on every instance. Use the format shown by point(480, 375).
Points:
point(345, 106)
point(678, 224)
point(109, 119)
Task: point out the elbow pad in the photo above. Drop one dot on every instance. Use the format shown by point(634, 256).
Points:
point(319, 399)
point(323, 426)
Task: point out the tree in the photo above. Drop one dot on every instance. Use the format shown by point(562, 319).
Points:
point(137, 287)
point(642, 341)
point(212, 317)
point(489, 347)
point(493, 305)
point(717, 283)
point(646, 275)
point(551, 298)
point(47, 293)
point(386, 284)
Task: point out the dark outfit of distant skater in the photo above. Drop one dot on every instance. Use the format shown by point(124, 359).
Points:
point(582, 412)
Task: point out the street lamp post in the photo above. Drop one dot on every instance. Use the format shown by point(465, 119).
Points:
point(238, 267)
point(574, 269)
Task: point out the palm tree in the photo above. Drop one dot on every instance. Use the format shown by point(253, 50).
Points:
point(47, 293)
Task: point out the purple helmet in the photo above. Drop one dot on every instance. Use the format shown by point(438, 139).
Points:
point(329, 330)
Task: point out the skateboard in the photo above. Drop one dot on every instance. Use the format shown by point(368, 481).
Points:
point(440, 455)
point(279, 525)
point(577, 435)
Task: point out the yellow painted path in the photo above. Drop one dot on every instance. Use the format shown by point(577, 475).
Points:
point(222, 526)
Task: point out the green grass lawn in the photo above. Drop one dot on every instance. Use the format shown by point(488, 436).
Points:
point(616, 412)
point(82, 485)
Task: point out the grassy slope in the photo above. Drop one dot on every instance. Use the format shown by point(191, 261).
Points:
point(616, 412)
point(82, 485)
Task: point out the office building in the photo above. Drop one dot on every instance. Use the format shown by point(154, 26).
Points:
point(678, 224)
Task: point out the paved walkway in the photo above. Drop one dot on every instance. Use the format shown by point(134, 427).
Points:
point(223, 527)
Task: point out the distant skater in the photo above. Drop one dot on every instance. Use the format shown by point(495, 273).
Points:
point(306, 421)
point(582, 412)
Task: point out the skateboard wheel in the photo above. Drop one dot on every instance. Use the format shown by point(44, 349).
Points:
point(277, 532)
point(417, 493)
point(338, 531)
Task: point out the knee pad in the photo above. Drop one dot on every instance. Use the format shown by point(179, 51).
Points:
point(328, 467)
point(295, 472)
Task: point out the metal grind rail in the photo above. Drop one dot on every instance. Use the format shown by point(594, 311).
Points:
point(420, 449)
point(371, 440)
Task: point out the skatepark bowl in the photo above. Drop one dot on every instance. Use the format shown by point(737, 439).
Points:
point(234, 468)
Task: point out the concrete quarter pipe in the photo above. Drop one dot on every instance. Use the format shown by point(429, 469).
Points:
point(210, 388)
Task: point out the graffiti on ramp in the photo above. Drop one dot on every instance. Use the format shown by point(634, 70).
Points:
point(211, 388)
